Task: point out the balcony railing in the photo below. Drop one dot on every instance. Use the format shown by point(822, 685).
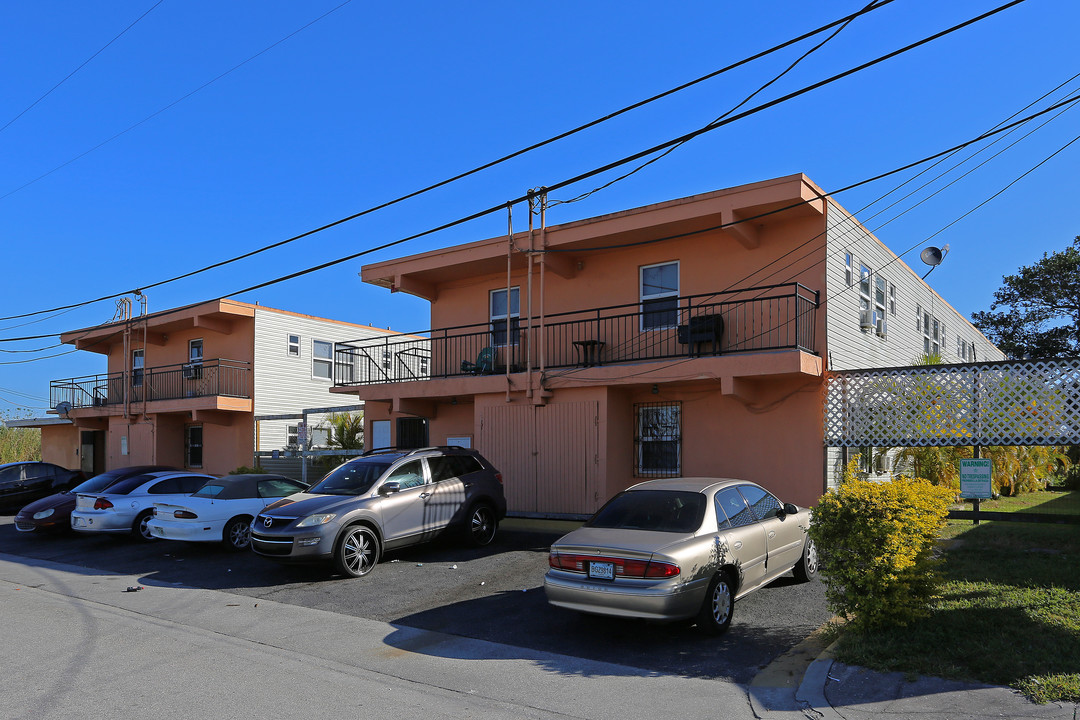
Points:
point(772, 317)
point(229, 378)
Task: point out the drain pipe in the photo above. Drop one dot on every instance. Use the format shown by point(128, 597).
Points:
point(509, 257)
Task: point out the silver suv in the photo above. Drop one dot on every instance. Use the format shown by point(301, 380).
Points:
point(384, 500)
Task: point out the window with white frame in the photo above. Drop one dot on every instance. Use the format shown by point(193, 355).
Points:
point(935, 337)
point(505, 309)
point(848, 260)
point(292, 436)
point(864, 287)
point(138, 362)
point(881, 287)
point(293, 346)
point(195, 351)
point(659, 292)
point(918, 317)
point(892, 299)
point(658, 439)
point(322, 364)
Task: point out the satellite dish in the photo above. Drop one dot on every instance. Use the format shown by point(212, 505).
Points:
point(932, 256)
point(63, 408)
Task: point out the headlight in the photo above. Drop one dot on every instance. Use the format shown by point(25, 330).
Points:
point(43, 514)
point(313, 520)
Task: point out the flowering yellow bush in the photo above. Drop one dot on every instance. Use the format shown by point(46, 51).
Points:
point(876, 541)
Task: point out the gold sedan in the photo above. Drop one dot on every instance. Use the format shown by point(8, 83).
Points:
point(680, 548)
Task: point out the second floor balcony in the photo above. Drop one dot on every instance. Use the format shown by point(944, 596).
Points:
point(774, 317)
point(217, 377)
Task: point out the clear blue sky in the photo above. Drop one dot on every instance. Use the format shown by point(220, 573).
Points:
point(377, 100)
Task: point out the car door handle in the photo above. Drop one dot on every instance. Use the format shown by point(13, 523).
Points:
point(425, 494)
point(738, 544)
point(772, 534)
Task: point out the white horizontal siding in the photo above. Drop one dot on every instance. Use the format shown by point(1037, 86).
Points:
point(284, 384)
point(850, 347)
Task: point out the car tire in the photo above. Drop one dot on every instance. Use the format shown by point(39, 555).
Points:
point(237, 533)
point(807, 567)
point(139, 529)
point(714, 617)
point(357, 551)
point(481, 525)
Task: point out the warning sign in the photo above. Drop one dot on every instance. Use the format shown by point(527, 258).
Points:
point(975, 479)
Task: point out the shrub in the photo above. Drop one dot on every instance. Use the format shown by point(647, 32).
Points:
point(245, 470)
point(876, 545)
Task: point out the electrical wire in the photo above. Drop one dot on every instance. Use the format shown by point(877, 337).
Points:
point(153, 115)
point(745, 100)
point(80, 67)
point(467, 173)
point(721, 226)
point(632, 158)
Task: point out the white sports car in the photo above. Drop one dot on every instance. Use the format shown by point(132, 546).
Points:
point(221, 510)
point(126, 506)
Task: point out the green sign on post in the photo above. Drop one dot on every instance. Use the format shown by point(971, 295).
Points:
point(975, 479)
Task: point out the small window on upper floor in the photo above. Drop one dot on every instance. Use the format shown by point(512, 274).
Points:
point(504, 311)
point(293, 346)
point(847, 269)
point(659, 290)
point(892, 299)
point(322, 359)
point(864, 287)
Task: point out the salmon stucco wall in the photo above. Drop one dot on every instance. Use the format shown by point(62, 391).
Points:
point(60, 445)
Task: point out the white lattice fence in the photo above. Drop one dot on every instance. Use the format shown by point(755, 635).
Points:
point(1022, 402)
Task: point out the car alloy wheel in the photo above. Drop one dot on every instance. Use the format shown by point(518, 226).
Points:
point(357, 551)
point(482, 525)
point(715, 615)
point(807, 566)
point(238, 534)
point(141, 529)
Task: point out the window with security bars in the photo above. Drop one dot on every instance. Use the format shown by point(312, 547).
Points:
point(658, 439)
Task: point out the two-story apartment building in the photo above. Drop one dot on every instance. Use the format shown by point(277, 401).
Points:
point(185, 387)
point(689, 337)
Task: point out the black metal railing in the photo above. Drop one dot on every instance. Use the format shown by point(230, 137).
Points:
point(230, 378)
point(771, 317)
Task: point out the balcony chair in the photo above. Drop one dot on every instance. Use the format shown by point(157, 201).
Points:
point(484, 365)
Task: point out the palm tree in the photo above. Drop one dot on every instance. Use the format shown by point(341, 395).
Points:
point(346, 433)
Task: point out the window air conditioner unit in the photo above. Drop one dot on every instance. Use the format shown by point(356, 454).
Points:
point(866, 319)
point(881, 327)
point(192, 372)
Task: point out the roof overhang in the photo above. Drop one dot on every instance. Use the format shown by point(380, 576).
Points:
point(217, 316)
point(739, 212)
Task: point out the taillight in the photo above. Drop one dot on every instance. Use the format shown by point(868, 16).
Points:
point(624, 567)
point(102, 504)
point(185, 515)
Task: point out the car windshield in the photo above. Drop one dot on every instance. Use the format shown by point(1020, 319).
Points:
point(674, 511)
point(352, 478)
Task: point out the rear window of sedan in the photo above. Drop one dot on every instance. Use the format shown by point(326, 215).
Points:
point(352, 478)
point(675, 511)
point(125, 486)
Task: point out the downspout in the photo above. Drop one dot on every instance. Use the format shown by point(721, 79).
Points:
point(509, 257)
point(528, 326)
point(543, 270)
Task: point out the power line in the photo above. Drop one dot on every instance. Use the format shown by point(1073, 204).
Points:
point(629, 159)
point(473, 171)
point(153, 115)
point(745, 100)
point(86, 62)
point(722, 226)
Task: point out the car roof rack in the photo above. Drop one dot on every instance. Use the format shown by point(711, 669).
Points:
point(412, 450)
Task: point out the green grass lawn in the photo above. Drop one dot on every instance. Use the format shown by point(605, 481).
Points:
point(1009, 611)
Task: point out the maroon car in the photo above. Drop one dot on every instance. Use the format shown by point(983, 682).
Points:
point(54, 512)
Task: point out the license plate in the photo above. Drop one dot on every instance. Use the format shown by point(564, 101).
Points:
point(602, 570)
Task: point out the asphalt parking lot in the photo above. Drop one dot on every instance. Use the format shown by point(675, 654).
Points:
point(493, 593)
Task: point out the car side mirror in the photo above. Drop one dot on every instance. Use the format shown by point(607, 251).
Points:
point(390, 487)
point(790, 509)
